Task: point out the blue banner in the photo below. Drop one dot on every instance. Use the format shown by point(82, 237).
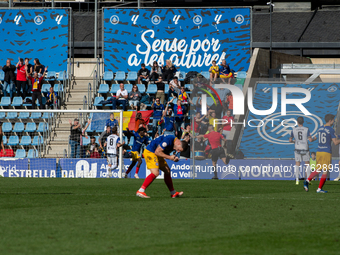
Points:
point(35, 33)
point(46, 168)
point(190, 38)
point(12, 167)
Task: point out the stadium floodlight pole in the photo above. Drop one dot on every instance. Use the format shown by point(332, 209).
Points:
point(95, 27)
point(271, 5)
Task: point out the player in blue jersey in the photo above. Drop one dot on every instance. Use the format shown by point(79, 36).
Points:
point(155, 154)
point(326, 136)
point(111, 122)
point(140, 139)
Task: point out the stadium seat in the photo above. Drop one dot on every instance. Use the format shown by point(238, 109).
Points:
point(97, 100)
point(6, 127)
point(166, 89)
point(206, 74)
point(17, 101)
point(114, 88)
point(2, 115)
point(25, 140)
point(24, 115)
point(241, 74)
point(131, 76)
point(132, 139)
point(42, 127)
point(97, 139)
point(108, 76)
point(58, 87)
point(37, 140)
point(43, 99)
point(46, 114)
point(32, 153)
point(30, 127)
point(51, 76)
point(190, 87)
point(103, 89)
point(13, 140)
point(194, 100)
point(86, 141)
point(100, 129)
point(20, 153)
point(210, 101)
point(45, 88)
point(181, 75)
point(4, 140)
point(240, 86)
point(27, 104)
point(12, 115)
point(141, 88)
point(36, 115)
point(5, 101)
point(19, 127)
point(152, 89)
point(120, 76)
point(128, 87)
point(61, 76)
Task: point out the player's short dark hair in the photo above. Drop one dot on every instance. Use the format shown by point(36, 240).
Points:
point(313, 153)
point(185, 145)
point(175, 78)
point(114, 130)
point(142, 65)
point(329, 117)
point(141, 129)
point(300, 120)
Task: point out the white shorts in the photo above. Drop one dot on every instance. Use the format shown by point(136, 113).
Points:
point(301, 157)
point(112, 160)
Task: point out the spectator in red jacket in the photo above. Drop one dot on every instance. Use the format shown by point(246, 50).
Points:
point(36, 88)
point(21, 78)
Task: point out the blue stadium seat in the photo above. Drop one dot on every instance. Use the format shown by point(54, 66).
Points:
point(2, 115)
point(166, 89)
point(2, 75)
point(181, 75)
point(58, 87)
point(97, 100)
point(241, 74)
point(61, 76)
point(24, 115)
point(97, 139)
point(46, 114)
point(42, 127)
point(27, 104)
point(132, 76)
point(103, 88)
point(210, 101)
point(25, 140)
point(17, 101)
point(4, 140)
point(100, 129)
point(125, 139)
point(86, 141)
point(120, 76)
point(13, 140)
point(206, 74)
point(141, 88)
point(5, 101)
point(45, 88)
point(37, 140)
point(32, 153)
point(43, 99)
point(194, 100)
point(114, 88)
point(51, 76)
point(6, 127)
point(152, 89)
point(19, 127)
point(108, 76)
point(30, 127)
point(20, 153)
point(35, 115)
point(132, 139)
point(12, 115)
point(128, 87)
point(190, 87)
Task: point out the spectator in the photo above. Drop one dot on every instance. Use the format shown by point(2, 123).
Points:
point(212, 120)
point(160, 89)
point(156, 72)
point(95, 153)
point(222, 93)
point(204, 124)
point(143, 74)
point(111, 122)
point(225, 72)
point(74, 137)
point(214, 72)
point(199, 144)
point(52, 99)
point(217, 108)
point(9, 78)
point(217, 151)
point(197, 122)
point(38, 68)
point(186, 154)
point(121, 98)
point(29, 69)
point(230, 102)
point(1, 141)
point(179, 113)
point(227, 127)
point(183, 96)
point(21, 78)
point(103, 136)
point(169, 121)
point(158, 109)
point(199, 82)
point(36, 88)
point(139, 121)
point(187, 132)
point(168, 71)
point(174, 87)
point(134, 96)
point(90, 147)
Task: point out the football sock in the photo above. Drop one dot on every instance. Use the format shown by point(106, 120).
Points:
point(307, 171)
point(297, 168)
point(137, 170)
point(322, 180)
point(312, 175)
point(148, 180)
point(168, 182)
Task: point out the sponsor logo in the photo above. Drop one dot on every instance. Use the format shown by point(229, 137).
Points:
point(114, 19)
point(156, 20)
point(17, 19)
point(58, 19)
point(176, 18)
point(217, 19)
point(239, 19)
point(332, 89)
point(38, 20)
point(197, 20)
point(134, 19)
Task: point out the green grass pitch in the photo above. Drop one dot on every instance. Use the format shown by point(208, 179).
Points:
point(103, 216)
